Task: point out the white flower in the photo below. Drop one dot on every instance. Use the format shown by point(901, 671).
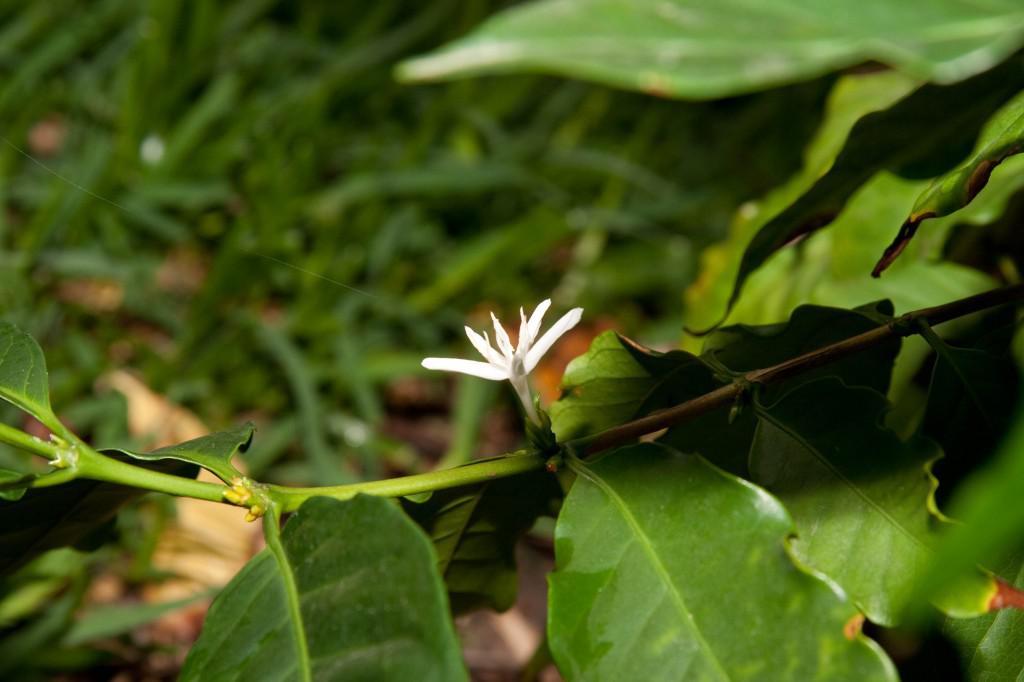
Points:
point(506, 362)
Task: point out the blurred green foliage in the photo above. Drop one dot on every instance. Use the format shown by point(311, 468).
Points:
point(240, 204)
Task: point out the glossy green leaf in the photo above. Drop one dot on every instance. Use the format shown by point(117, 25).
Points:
point(668, 568)
point(610, 382)
point(474, 530)
point(23, 378)
point(992, 646)
point(686, 48)
point(948, 117)
point(59, 516)
point(861, 498)
point(361, 578)
point(1002, 137)
point(213, 451)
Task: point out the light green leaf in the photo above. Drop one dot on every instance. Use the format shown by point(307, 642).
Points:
point(1002, 137)
point(833, 266)
point(475, 529)
point(989, 508)
point(612, 381)
point(687, 48)
point(668, 568)
point(948, 117)
point(213, 451)
point(370, 604)
point(861, 498)
point(992, 646)
point(23, 376)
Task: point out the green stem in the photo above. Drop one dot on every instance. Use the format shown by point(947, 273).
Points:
point(96, 466)
point(57, 477)
point(272, 534)
point(30, 444)
point(291, 499)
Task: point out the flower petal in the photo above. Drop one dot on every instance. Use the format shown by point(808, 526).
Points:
point(484, 348)
point(525, 340)
point(471, 367)
point(567, 322)
point(501, 337)
point(537, 318)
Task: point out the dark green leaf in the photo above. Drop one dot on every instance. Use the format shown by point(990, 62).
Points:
point(64, 515)
point(474, 530)
point(668, 568)
point(946, 116)
point(742, 348)
point(365, 582)
point(23, 377)
point(725, 438)
point(1002, 137)
point(213, 451)
point(862, 499)
point(972, 395)
point(687, 48)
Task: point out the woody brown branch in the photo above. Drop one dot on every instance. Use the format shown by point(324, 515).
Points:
point(904, 325)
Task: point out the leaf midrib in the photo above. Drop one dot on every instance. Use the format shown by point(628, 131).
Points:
point(764, 415)
point(659, 567)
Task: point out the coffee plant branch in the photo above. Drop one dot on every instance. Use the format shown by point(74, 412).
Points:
point(89, 463)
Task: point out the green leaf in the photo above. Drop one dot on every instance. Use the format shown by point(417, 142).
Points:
point(1001, 138)
point(213, 451)
point(475, 529)
point(13, 484)
point(47, 518)
point(945, 116)
point(991, 515)
point(23, 376)
point(992, 646)
point(668, 568)
point(616, 377)
point(833, 266)
point(861, 498)
point(687, 48)
point(363, 580)
point(742, 348)
point(972, 394)
point(724, 437)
